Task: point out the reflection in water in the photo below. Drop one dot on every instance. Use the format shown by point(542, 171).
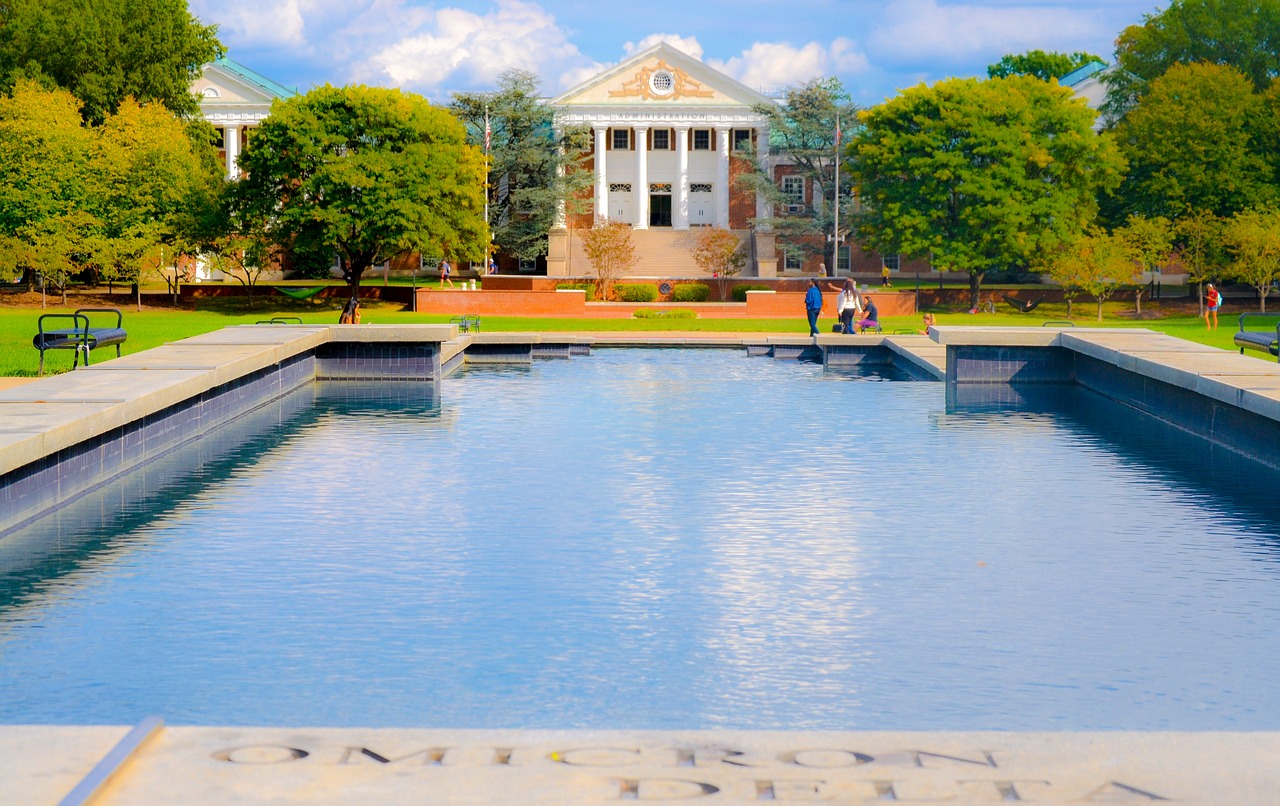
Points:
point(664, 539)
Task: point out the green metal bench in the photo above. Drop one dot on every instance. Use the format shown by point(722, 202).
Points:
point(82, 336)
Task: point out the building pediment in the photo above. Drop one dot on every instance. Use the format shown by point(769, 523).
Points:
point(661, 76)
point(225, 82)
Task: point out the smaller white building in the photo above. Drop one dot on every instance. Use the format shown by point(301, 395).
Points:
point(235, 100)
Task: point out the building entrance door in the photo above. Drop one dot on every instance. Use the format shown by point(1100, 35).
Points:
point(660, 210)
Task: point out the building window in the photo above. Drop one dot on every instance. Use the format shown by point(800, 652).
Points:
point(793, 189)
point(219, 137)
point(792, 260)
point(660, 187)
point(622, 139)
point(700, 187)
point(741, 139)
point(662, 83)
point(620, 187)
point(842, 259)
point(701, 139)
point(891, 262)
point(661, 139)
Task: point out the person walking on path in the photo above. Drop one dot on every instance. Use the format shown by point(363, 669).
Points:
point(848, 304)
point(813, 305)
point(1212, 302)
point(884, 277)
point(445, 271)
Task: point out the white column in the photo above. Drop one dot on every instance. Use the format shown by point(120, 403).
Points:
point(763, 208)
point(641, 189)
point(722, 176)
point(231, 144)
point(602, 179)
point(681, 220)
point(559, 222)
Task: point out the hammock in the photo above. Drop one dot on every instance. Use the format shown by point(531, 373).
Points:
point(300, 293)
point(1023, 307)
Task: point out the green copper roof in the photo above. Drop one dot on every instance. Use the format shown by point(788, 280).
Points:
point(256, 79)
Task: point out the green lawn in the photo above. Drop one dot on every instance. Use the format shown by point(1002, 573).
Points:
point(153, 327)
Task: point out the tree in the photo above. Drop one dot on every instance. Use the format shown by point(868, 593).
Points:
point(1193, 143)
point(719, 253)
point(979, 175)
point(1150, 242)
point(1244, 34)
point(1043, 65)
point(1200, 249)
point(804, 128)
point(609, 247)
point(366, 172)
point(1098, 263)
point(530, 174)
point(1253, 238)
point(45, 175)
point(103, 51)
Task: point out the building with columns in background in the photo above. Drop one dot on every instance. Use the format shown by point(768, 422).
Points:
point(670, 136)
point(235, 100)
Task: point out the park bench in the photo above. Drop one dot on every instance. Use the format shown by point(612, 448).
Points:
point(466, 323)
point(1266, 340)
point(82, 336)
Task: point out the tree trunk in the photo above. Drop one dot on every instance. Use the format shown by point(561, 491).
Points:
point(1263, 290)
point(1068, 307)
point(975, 288)
point(1137, 301)
point(1099, 309)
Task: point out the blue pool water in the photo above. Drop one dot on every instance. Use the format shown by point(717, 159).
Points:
point(659, 539)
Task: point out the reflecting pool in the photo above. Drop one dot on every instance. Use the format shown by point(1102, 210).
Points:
point(659, 539)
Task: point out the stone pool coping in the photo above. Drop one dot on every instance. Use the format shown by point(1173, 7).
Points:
point(218, 765)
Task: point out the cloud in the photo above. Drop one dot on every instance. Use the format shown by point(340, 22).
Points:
point(920, 33)
point(687, 44)
point(454, 47)
point(774, 64)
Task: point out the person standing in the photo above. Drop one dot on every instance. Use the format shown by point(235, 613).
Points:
point(848, 304)
point(1212, 302)
point(813, 305)
point(445, 271)
point(884, 276)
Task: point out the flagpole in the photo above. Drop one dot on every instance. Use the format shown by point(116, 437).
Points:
point(488, 229)
point(835, 233)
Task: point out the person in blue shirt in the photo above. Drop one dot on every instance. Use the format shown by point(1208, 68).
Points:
point(870, 316)
point(813, 305)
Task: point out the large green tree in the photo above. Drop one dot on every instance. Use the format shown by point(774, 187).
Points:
point(106, 50)
point(803, 127)
point(532, 167)
point(1044, 65)
point(368, 173)
point(1244, 34)
point(979, 175)
point(1195, 142)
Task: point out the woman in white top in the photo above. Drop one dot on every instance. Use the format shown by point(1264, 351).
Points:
point(848, 305)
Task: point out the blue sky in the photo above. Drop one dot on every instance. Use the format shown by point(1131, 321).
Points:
point(875, 47)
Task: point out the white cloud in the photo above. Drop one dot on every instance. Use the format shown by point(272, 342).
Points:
point(687, 44)
point(923, 32)
point(454, 47)
point(255, 24)
point(775, 64)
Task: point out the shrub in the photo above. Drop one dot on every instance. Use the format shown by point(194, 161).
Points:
point(636, 292)
point(669, 313)
point(740, 292)
point(590, 288)
point(691, 292)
